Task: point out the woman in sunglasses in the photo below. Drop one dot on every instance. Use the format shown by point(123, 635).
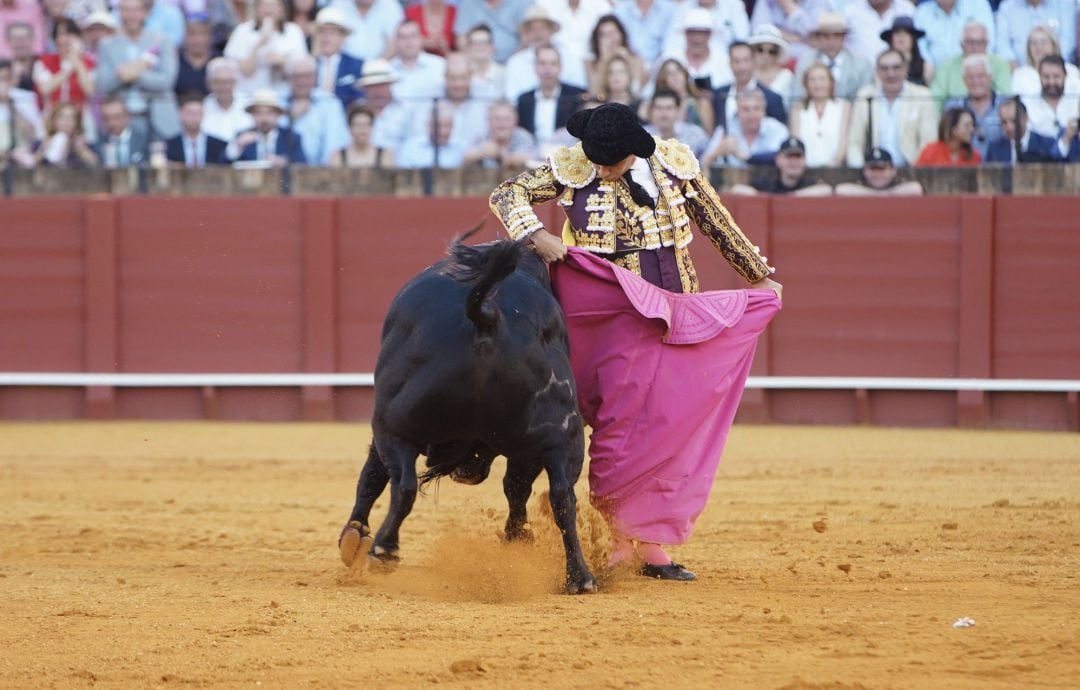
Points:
point(770, 55)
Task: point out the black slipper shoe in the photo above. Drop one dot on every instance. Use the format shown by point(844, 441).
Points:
point(671, 571)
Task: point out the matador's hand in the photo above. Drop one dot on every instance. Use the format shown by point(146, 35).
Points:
point(770, 284)
point(548, 246)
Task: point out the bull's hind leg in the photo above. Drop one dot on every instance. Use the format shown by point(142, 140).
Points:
point(517, 485)
point(564, 509)
point(399, 458)
point(355, 537)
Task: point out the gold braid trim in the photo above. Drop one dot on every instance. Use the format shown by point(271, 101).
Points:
point(571, 167)
point(512, 201)
point(716, 222)
point(677, 159)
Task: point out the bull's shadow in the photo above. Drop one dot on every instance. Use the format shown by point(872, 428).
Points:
point(474, 362)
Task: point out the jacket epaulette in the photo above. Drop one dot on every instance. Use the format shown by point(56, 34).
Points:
point(677, 158)
point(571, 167)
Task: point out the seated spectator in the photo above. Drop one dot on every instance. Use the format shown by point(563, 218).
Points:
point(1051, 111)
point(66, 76)
point(488, 76)
point(507, 145)
point(536, 29)
point(502, 17)
point(665, 121)
point(419, 75)
point(64, 145)
point(949, 82)
point(608, 40)
point(20, 42)
point(953, 146)
point(224, 111)
point(728, 22)
point(436, 21)
point(615, 85)
point(741, 56)
point(435, 148)
point(1017, 18)
point(708, 66)
point(338, 72)
point(120, 145)
point(879, 178)
point(316, 116)
point(361, 153)
point(696, 104)
point(794, 19)
point(96, 28)
point(576, 20)
point(194, 148)
point(769, 57)
point(902, 36)
point(750, 138)
point(646, 24)
point(981, 100)
point(20, 120)
point(547, 108)
point(27, 12)
point(470, 114)
point(303, 13)
point(943, 22)
point(1018, 144)
point(373, 23)
point(1025, 79)
point(261, 47)
point(392, 119)
point(904, 115)
point(140, 67)
point(866, 19)
point(821, 120)
point(195, 55)
point(267, 142)
point(790, 177)
point(165, 19)
point(850, 70)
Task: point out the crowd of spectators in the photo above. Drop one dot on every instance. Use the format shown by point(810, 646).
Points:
point(877, 85)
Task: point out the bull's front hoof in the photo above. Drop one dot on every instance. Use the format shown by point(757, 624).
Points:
point(518, 534)
point(383, 560)
point(583, 585)
point(355, 539)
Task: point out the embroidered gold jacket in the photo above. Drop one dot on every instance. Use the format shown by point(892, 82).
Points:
point(603, 218)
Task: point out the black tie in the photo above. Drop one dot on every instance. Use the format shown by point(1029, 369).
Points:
point(637, 192)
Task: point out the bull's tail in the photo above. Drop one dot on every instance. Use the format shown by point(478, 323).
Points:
point(485, 266)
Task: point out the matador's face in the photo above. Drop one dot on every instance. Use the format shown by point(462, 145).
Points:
point(610, 173)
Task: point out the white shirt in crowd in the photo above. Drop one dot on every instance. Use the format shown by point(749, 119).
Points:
point(865, 25)
point(546, 110)
point(730, 23)
point(225, 124)
point(572, 39)
point(425, 79)
point(373, 32)
point(290, 42)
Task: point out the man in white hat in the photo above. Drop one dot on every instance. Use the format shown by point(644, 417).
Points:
point(373, 23)
point(851, 72)
point(729, 22)
point(391, 126)
point(709, 68)
point(97, 27)
point(267, 141)
point(337, 72)
point(535, 30)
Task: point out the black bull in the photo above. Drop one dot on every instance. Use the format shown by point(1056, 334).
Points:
point(474, 363)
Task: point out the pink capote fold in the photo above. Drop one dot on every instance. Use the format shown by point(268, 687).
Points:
point(659, 377)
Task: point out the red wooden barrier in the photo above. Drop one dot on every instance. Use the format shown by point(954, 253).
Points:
point(973, 287)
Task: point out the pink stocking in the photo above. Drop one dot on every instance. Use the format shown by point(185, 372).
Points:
point(653, 554)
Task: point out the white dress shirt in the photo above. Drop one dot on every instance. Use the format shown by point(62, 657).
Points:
point(546, 111)
point(425, 79)
point(224, 123)
point(372, 32)
point(865, 25)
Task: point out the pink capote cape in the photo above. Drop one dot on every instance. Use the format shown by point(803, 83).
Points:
point(659, 377)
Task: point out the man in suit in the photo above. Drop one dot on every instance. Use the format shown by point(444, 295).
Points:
point(267, 142)
point(904, 119)
point(741, 60)
point(1018, 143)
point(338, 72)
point(120, 145)
point(851, 72)
point(140, 67)
point(547, 108)
point(193, 148)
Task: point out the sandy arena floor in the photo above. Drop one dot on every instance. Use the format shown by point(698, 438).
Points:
point(203, 555)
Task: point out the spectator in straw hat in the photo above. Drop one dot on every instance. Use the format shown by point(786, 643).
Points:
point(728, 21)
point(267, 142)
point(337, 72)
point(535, 30)
point(866, 19)
point(391, 125)
point(794, 18)
point(708, 66)
point(770, 54)
point(97, 27)
point(850, 71)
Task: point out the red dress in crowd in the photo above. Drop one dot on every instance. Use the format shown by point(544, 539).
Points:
point(416, 13)
point(938, 153)
point(70, 92)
